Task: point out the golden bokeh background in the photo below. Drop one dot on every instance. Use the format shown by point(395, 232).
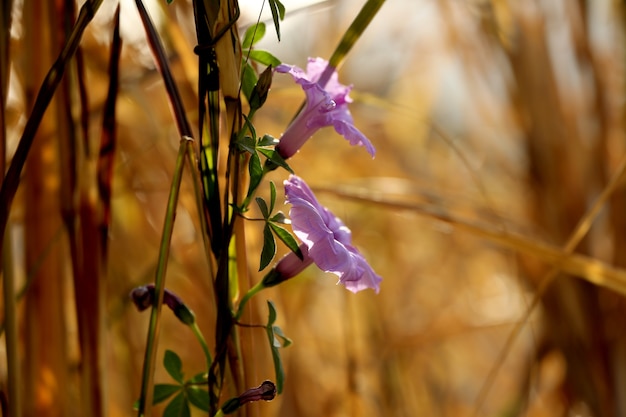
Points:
point(498, 124)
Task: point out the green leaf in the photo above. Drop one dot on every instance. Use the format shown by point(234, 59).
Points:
point(269, 247)
point(173, 365)
point(272, 196)
point(256, 172)
point(246, 144)
point(163, 391)
point(250, 126)
point(253, 34)
point(275, 158)
point(267, 140)
point(278, 364)
point(248, 80)
point(287, 239)
point(231, 406)
point(284, 340)
point(199, 398)
point(278, 13)
point(263, 207)
point(178, 407)
point(264, 57)
point(279, 218)
point(201, 377)
point(271, 318)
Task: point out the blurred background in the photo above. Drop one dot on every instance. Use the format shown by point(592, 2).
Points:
point(498, 125)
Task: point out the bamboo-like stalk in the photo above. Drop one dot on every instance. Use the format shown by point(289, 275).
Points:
point(46, 379)
point(79, 211)
point(564, 177)
point(44, 96)
point(8, 281)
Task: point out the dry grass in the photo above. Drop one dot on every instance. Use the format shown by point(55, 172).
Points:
point(500, 139)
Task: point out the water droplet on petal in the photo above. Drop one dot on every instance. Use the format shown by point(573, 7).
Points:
point(328, 106)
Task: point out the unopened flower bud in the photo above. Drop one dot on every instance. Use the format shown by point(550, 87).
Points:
point(288, 267)
point(266, 392)
point(144, 296)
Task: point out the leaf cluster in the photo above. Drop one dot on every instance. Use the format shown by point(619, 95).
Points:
point(184, 392)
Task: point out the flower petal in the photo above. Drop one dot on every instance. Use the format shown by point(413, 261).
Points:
point(337, 91)
point(328, 240)
point(324, 107)
point(353, 135)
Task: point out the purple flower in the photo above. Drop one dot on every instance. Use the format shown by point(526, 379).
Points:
point(328, 240)
point(325, 106)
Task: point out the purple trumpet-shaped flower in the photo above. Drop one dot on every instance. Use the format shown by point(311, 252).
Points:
point(327, 241)
point(325, 106)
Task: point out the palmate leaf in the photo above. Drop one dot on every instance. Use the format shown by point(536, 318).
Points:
point(267, 140)
point(278, 14)
point(265, 58)
point(286, 238)
point(253, 34)
point(284, 340)
point(263, 207)
point(276, 159)
point(256, 172)
point(279, 218)
point(199, 398)
point(272, 196)
point(163, 391)
point(274, 346)
point(269, 247)
point(173, 365)
point(178, 407)
point(250, 126)
point(246, 144)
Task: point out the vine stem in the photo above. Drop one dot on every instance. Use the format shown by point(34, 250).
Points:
point(145, 400)
point(205, 348)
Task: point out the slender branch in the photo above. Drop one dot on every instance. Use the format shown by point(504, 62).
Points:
point(145, 401)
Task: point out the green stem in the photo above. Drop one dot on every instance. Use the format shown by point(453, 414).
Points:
point(145, 400)
point(196, 331)
point(192, 160)
point(354, 32)
point(244, 300)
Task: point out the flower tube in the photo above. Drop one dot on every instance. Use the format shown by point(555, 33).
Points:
point(325, 106)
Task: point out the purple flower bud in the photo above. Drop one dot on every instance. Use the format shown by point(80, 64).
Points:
point(144, 297)
point(266, 391)
point(288, 267)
